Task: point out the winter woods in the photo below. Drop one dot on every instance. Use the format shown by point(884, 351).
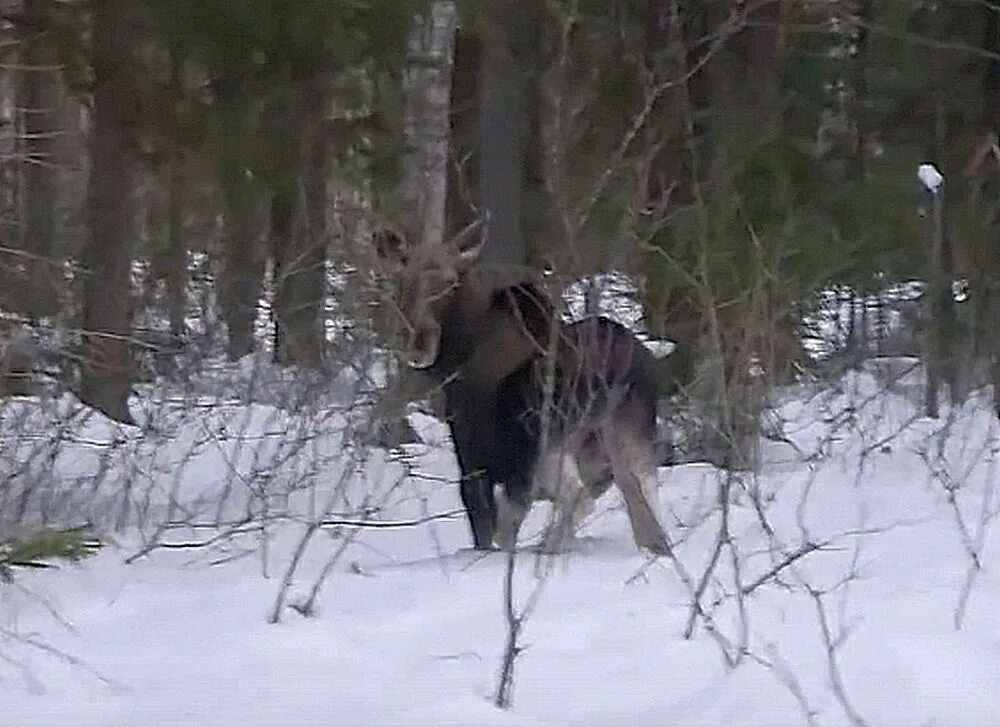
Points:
point(794, 203)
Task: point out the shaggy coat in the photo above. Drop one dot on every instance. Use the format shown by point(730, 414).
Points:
point(538, 409)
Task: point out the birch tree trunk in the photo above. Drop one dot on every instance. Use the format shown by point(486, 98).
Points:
point(423, 192)
point(427, 86)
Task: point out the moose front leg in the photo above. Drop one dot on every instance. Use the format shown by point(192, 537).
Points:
point(471, 417)
point(513, 503)
point(480, 507)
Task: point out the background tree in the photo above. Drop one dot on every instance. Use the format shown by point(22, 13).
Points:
point(508, 32)
point(106, 364)
point(735, 159)
point(39, 100)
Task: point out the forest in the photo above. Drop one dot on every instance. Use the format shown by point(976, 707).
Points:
point(205, 410)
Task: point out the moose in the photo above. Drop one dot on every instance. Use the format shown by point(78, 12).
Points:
point(538, 409)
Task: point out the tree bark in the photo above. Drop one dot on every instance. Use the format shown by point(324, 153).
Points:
point(859, 101)
point(508, 30)
point(176, 258)
point(299, 250)
point(176, 262)
point(463, 165)
point(763, 46)
point(107, 371)
point(40, 102)
point(940, 311)
point(744, 73)
point(284, 264)
point(424, 189)
point(991, 72)
point(943, 364)
point(428, 84)
point(239, 284)
point(311, 284)
point(240, 280)
point(666, 59)
point(546, 220)
point(986, 286)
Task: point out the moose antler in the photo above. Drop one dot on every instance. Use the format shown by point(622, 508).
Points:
point(463, 238)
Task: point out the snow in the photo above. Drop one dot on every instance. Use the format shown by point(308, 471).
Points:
point(930, 177)
point(410, 630)
point(618, 298)
point(890, 312)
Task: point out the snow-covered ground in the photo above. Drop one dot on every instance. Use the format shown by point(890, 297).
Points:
point(860, 532)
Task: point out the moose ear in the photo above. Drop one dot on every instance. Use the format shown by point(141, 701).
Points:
point(392, 249)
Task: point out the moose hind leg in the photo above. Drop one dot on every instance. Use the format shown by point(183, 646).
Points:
point(634, 464)
point(558, 478)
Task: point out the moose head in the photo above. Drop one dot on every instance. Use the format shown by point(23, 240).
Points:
point(429, 277)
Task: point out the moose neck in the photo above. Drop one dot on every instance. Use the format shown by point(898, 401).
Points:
point(483, 302)
point(464, 324)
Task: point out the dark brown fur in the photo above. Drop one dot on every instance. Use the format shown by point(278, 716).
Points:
point(489, 346)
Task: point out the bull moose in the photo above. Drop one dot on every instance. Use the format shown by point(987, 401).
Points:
point(538, 409)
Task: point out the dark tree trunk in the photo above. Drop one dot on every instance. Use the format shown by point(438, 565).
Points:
point(176, 262)
point(243, 265)
point(299, 250)
point(463, 163)
point(763, 45)
point(310, 284)
point(991, 74)
point(941, 312)
point(745, 77)
point(859, 102)
point(106, 368)
point(39, 99)
point(986, 289)
point(283, 259)
point(236, 144)
point(547, 90)
point(666, 58)
point(508, 30)
point(944, 364)
point(176, 258)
